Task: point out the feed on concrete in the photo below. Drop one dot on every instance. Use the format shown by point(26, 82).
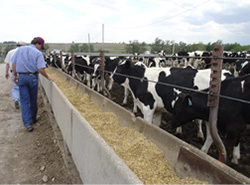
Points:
point(141, 155)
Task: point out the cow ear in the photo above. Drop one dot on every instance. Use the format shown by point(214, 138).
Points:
point(188, 99)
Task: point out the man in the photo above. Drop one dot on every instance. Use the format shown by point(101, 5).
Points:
point(27, 63)
point(15, 89)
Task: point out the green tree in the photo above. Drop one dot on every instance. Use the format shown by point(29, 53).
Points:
point(158, 45)
point(209, 47)
point(46, 46)
point(8, 48)
point(181, 46)
point(74, 47)
point(218, 42)
point(135, 47)
point(86, 48)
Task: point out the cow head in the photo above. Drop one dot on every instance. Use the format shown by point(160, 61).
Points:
point(121, 71)
point(183, 110)
point(245, 68)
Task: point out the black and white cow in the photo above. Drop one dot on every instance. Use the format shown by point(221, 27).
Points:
point(82, 69)
point(242, 67)
point(197, 59)
point(180, 58)
point(232, 115)
point(151, 95)
point(53, 60)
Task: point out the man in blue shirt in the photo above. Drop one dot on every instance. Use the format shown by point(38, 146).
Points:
point(27, 63)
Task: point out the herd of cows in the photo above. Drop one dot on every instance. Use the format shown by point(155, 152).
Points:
point(173, 84)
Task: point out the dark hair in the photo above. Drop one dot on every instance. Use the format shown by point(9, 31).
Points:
point(34, 41)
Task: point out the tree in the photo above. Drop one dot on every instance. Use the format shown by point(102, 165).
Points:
point(86, 48)
point(209, 47)
point(46, 46)
point(136, 47)
point(158, 45)
point(8, 48)
point(218, 42)
point(74, 47)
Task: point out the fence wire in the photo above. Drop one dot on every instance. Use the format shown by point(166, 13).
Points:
point(172, 85)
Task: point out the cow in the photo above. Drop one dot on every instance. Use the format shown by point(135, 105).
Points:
point(242, 67)
point(151, 95)
point(232, 115)
point(180, 57)
point(82, 69)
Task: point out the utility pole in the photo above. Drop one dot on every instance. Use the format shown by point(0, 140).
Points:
point(102, 36)
point(89, 42)
point(173, 48)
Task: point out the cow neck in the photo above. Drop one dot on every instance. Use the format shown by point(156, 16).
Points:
point(136, 71)
point(137, 82)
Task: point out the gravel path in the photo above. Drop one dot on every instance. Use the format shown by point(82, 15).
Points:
point(36, 157)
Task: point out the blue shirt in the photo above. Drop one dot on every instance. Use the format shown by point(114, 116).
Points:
point(28, 59)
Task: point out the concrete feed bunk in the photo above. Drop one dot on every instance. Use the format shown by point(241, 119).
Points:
point(98, 163)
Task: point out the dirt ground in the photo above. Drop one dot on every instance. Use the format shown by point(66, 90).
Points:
point(36, 157)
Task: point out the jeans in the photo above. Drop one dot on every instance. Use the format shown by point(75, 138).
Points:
point(15, 90)
point(28, 86)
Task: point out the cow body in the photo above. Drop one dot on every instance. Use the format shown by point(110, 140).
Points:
point(232, 115)
point(154, 98)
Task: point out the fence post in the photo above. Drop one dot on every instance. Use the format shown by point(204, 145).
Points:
point(213, 99)
point(54, 57)
point(73, 63)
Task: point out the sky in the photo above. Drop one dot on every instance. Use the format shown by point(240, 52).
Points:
point(117, 21)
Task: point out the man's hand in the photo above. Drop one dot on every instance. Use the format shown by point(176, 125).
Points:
point(50, 79)
point(15, 79)
point(7, 75)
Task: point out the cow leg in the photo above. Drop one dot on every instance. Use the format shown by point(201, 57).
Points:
point(110, 84)
point(98, 83)
point(232, 139)
point(135, 110)
point(93, 83)
point(236, 154)
point(200, 132)
point(178, 130)
point(88, 79)
point(125, 100)
point(185, 62)
point(78, 76)
point(157, 118)
point(208, 141)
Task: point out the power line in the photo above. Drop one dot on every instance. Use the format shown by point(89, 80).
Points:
point(164, 19)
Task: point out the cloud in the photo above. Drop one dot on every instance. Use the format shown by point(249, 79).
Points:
point(124, 20)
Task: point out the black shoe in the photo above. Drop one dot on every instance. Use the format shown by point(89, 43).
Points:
point(17, 104)
point(30, 129)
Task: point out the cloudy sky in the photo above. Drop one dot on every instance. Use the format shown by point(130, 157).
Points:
point(64, 21)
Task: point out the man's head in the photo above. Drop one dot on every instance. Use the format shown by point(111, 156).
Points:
point(20, 43)
point(38, 42)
